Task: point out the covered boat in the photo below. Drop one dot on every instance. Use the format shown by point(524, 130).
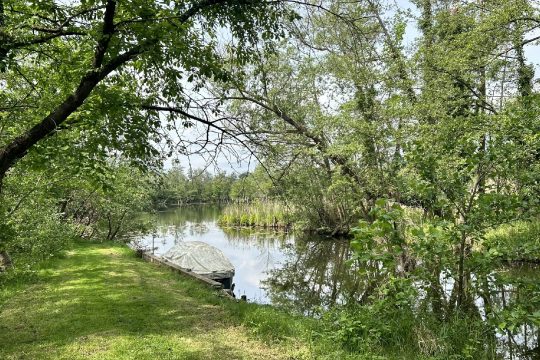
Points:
point(202, 259)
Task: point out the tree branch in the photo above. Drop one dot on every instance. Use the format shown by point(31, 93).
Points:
point(108, 30)
point(208, 123)
point(19, 146)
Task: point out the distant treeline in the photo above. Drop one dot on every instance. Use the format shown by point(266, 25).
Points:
point(178, 186)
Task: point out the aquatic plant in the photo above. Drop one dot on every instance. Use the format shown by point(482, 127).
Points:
point(267, 214)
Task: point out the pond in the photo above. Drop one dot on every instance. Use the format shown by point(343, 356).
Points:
point(264, 260)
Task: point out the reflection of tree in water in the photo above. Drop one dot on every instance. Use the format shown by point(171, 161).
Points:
point(189, 213)
point(177, 233)
point(192, 220)
point(188, 220)
point(264, 241)
point(502, 299)
point(511, 298)
point(197, 229)
point(315, 274)
point(259, 238)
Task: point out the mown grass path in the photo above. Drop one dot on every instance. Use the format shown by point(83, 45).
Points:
point(100, 302)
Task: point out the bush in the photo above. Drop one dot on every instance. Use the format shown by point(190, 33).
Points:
point(36, 233)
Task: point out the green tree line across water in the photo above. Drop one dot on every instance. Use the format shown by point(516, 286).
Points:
point(176, 187)
point(250, 199)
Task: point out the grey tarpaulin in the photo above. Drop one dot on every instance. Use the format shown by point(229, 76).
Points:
point(201, 258)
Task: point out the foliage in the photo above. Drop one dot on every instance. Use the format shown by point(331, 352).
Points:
point(110, 212)
point(515, 242)
point(252, 186)
point(34, 229)
point(173, 187)
point(47, 210)
point(414, 271)
point(95, 73)
point(426, 150)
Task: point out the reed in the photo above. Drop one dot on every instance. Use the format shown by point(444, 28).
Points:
point(266, 214)
point(515, 242)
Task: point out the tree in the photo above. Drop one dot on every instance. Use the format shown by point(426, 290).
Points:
point(75, 77)
point(445, 129)
point(89, 67)
point(313, 112)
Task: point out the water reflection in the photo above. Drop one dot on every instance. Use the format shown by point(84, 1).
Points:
point(253, 253)
point(315, 275)
point(307, 273)
point(303, 273)
point(512, 293)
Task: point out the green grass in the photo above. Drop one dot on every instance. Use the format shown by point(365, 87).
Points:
point(518, 241)
point(101, 302)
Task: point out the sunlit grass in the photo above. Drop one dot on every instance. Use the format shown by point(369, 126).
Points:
point(100, 302)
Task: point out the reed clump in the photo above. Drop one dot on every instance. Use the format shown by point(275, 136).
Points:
point(266, 214)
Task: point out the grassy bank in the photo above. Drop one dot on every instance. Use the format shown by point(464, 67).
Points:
point(101, 302)
point(266, 214)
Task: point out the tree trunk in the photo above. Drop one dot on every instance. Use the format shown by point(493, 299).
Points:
point(461, 271)
point(118, 226)
point(5, 261)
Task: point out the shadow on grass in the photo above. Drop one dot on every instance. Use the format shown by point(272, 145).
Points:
point(100, 301)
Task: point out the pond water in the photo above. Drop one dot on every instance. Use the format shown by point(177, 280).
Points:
point(261, 258)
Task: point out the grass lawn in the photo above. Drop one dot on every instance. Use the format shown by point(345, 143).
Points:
point(101, 302)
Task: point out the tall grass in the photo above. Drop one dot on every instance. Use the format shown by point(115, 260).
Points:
point(266, 214)
point(519, 241)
